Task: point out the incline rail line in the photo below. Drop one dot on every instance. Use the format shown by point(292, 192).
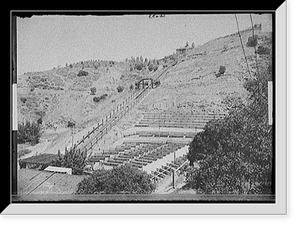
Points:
point(92, 138)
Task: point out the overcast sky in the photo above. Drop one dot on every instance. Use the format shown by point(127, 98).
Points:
point(44, 42)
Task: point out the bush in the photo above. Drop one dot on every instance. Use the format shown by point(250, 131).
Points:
point(23, 99)
point(120, 89)
point(73, 158)
point(139, 66)
point(123, 179)
point(252, 41)
point(93, 90)
point(71, 124)
point(40, 120)
point(97, 99)
point(222, 70)
point(29, 132)
point(82, 73)
point(261, 50)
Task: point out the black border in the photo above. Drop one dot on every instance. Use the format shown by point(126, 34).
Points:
point(255, 8)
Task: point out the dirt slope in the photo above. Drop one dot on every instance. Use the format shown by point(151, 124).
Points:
point(60, 95)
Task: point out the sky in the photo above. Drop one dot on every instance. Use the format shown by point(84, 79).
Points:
point(44, 42)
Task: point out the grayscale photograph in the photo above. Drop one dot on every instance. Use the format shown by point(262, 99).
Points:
point(145, 108)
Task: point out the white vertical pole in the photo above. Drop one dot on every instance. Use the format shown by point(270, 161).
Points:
point(270, 102)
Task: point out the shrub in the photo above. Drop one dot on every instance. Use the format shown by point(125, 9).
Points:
point(120, 89)
point(93, 90)
point(40, 120)
point(73, 158)
point(96, 99)
point(29, 132)
point(123, 179)
point(82, 73)
point(71, 124)
point(261, 50)
point(252, 41)
point(23, 99)
point(150, 67)
point(222, 70)
point(139, 66)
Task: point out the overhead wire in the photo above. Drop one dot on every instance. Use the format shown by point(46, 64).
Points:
point(253, 34)
point(237, 23)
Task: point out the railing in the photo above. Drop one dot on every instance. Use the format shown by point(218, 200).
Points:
point(111, 119)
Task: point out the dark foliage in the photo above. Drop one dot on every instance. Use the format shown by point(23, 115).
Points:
point(71, 124)
point(261, 50)
point(29, 132)
point(235, 154)
point(73, 158)
point(252, 41)
point(82, 73)
point(123, 179)
point(120, 89)
point(93, 90)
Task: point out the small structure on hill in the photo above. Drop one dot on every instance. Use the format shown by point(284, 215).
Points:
point(186, 48)
point(143, 83)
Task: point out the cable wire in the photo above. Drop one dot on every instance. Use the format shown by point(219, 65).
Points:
point(256, 59)
point(237, 23)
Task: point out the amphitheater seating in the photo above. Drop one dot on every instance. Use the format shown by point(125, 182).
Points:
point(177, 119)
point(141, 153)
point(168, 134)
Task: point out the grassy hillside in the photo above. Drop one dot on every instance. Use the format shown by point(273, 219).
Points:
point(64, 94)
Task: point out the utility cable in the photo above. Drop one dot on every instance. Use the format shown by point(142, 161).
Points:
point(237, 23)
point(256, 59)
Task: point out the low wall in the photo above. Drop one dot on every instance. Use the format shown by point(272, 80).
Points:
point(167, 159)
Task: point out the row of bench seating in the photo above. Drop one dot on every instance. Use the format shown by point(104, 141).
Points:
point(127, 155)
point(165, 134)
point(154, 155)
point(166, 170)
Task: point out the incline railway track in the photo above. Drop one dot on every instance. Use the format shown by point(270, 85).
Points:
point(92, 138)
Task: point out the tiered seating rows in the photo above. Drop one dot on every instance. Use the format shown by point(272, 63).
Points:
point(126, 156)
point(165, 134)
point(154, 155)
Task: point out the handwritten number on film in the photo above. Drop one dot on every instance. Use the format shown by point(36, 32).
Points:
point(156, 15)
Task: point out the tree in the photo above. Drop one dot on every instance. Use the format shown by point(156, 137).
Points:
point(40, 121)
point(222, 70)
point(93, 90)
point(82, 73)
point(139, 66)
point(252, 41)
point(235, 154)
point(120, 89)
point(122, 179)
point(29, 132)
point(71, 124)
point(73, 158)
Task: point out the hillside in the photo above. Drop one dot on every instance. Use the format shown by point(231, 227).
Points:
point(63, 94)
